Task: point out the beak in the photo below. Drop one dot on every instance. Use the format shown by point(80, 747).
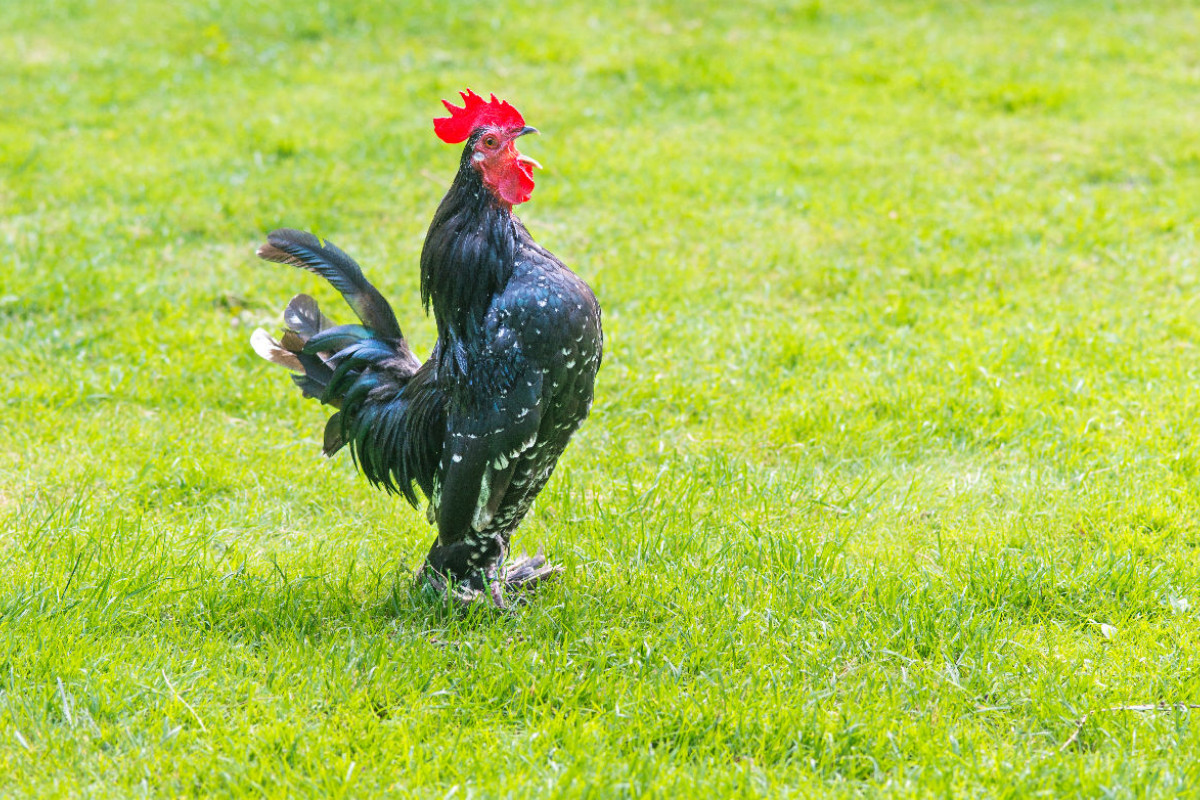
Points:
point(524, 159)
point(521, 156)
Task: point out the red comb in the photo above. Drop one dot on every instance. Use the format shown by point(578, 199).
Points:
point(475, 112)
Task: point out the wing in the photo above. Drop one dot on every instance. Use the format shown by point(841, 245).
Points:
point(488, 430)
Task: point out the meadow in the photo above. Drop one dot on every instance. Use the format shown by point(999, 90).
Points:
point(893, 474)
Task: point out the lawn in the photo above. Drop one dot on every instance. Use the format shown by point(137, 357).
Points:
point(893, 473)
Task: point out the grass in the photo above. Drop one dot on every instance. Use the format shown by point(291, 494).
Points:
point(893, 473)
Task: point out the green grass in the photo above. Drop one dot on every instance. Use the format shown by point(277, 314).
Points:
point(893, 472)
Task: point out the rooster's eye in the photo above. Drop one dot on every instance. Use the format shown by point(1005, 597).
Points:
point(490, 141)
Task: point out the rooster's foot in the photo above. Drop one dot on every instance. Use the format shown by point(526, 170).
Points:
point(523, 574)
point(461, 593)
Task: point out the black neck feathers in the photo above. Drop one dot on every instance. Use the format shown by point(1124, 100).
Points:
point(468, 255)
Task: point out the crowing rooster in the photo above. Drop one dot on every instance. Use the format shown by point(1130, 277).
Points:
point(479, 426)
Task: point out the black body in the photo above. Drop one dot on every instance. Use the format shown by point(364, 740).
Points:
point(478, 427)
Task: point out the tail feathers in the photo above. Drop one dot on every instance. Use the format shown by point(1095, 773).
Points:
point(332, 340)
point(275, 352)
point(309, 346)
point(362, 370)
point(304, 318)
point(334, 439)
point(397, 443)
point(354, 362)
point(340, 365)
point(303, 250)
point(313, 372)
point(314, 383)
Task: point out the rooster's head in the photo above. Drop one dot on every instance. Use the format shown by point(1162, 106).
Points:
point(490, 128)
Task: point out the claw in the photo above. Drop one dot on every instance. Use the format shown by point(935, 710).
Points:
point(496, 589)
point(528, 571)
point(461, 593)
point(524, 573)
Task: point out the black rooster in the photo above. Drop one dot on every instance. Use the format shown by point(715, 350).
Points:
point(480, 425)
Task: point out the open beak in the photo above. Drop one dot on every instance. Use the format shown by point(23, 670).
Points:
point(521, 157)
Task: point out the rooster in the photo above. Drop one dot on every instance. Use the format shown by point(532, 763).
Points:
point(479, 426)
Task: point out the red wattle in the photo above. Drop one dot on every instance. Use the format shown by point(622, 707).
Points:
point(512, 181)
